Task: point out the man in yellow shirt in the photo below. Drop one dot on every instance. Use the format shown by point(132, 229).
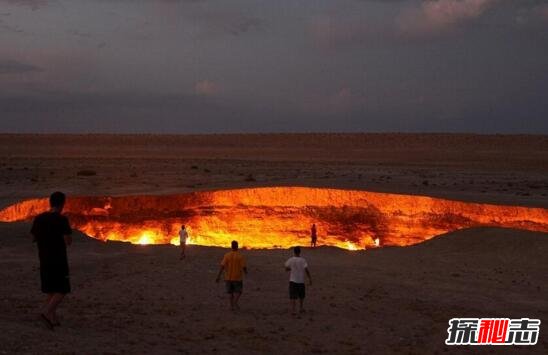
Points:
point(234, 267)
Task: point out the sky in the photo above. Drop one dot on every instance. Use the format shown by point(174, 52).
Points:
point(219, 66)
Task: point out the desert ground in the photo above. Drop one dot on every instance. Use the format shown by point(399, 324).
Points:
point(143, 299)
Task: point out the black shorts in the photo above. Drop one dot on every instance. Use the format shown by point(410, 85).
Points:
point(234, 286)
point(54, 280)
point(296, 291)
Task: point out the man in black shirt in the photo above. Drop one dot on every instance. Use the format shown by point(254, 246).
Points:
point(52, 234)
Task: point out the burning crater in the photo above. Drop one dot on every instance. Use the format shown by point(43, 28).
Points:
point(280, 217)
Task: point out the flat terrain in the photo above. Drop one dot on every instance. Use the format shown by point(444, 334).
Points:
point(142, 299)
point(497, 168)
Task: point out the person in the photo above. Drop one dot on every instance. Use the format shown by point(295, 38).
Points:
point(297, 267)
point(183, 235)
point(52, 233)
point(313, 236)
point(234, 266)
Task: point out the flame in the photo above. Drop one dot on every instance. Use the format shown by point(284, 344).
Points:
point(280, 217)
point(146, 239)
point(351, 246)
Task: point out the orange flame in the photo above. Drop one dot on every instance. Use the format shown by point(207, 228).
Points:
point(280, 217)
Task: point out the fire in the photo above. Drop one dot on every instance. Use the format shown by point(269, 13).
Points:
point(280, 217)
point(146, 238)
point(351, 246)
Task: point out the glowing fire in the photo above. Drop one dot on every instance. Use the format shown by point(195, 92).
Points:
point(147, 238)
point(280, 217)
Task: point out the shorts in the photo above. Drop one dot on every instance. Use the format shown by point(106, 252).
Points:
point(234, 286)
point(296, 290)
point(54, 280)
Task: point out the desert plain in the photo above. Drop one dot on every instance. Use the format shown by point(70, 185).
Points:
point(142, 299)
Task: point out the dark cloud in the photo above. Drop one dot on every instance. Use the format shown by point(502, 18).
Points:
point(126, 112)
point(15, 67)
point(212, 66)
point(11, 29)
point(32, 4)
point(244, 25)
point(211, 24)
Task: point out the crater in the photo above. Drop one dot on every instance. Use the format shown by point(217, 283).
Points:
point(280, 217)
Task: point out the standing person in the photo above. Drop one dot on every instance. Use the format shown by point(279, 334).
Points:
point(234, 266)
point(313, 236)
point(183, 236)
point(52, 233)
point(297, 267)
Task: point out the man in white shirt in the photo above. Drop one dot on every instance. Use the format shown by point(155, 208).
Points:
point(297, 267)
point(183, 236)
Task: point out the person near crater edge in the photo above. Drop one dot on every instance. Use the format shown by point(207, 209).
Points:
point(234, 267)
point(52, 233)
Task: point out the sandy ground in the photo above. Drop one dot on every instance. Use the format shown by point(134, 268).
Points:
point(142, 299)
point(500, 169)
